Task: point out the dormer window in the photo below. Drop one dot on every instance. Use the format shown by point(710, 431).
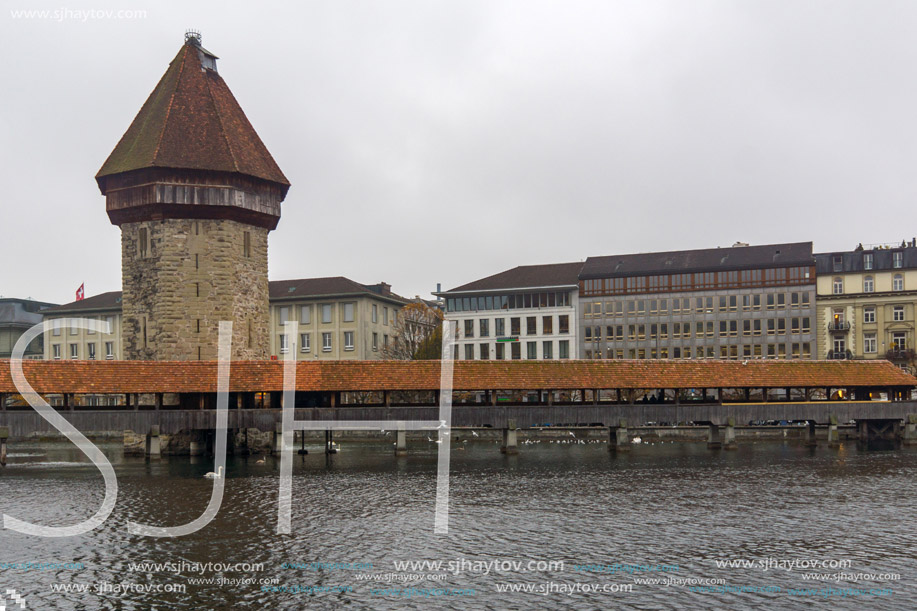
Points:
point(838, 263)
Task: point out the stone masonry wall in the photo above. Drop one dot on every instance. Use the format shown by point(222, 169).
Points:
point(191, 275)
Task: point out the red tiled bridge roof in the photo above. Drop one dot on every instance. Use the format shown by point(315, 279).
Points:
point(106, 377)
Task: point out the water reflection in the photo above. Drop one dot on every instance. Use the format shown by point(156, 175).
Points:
point(674, 504)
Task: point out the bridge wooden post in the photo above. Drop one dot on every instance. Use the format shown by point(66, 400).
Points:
point(713, 437)
point(550, 398)
point(158, 401)
point(833, 440)
point(909, 435)
point(618, 439)
point(194, 446)
point(509, 439)
point(401, 440)
point(153, 447)
point(493, 397)
point(386, 398)
point(277, 443)
point(729, 434)
point(4, 435)
point(2, 402)
point(811, 441)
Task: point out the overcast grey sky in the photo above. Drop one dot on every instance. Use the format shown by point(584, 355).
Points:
point(446, 141)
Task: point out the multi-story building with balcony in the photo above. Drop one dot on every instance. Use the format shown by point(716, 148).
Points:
point(741, 302)
point(528, 312)
point(338, 319)
point(866, 303)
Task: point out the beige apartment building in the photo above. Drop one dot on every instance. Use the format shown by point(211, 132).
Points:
point(866, 302)
point(67, 341)
point(338, 319)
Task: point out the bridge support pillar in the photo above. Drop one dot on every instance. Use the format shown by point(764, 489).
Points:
point(833, 439)
point(329, 442)
point(509, 438)
point(277, 444)
point(153, 447)
point(810, 442)
point(909, 435)
point(713, 437)
point(618, 439)
point(302, 442)
point(729, 435)
point(401, 441)
point(4, 435)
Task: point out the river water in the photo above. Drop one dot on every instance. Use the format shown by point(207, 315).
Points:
point(576, 526)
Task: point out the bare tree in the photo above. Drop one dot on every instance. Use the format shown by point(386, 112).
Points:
point(417, 333)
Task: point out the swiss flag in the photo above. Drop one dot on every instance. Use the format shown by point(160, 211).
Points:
point(80, 292)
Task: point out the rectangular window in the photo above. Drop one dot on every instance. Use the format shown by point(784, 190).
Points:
point(899, 341)
point(484, 350)
point(838, 263)
point(469, 328)
point(283, 344)
point(469, 352)
point(515, 326)
point(91, 352)
point(867, 261)
point(869, 314)
point(283, 314)
point(74, 351)
point(531, 350)
point(898, 313)
point(143, 242)
point(375, 341)
point(305, 315)
point(74, 327)
point(375, 313)
point(563, 349)
point(326, 313)
point(531, 325)
point(500, 327)
point(109, 350)
point(547, 350)
point(385, 316)
point(547, 325)
point(326, 342)
point(516, 351)
point(870, 345)
point(348, 312)
point(385, 340)
point(837, 286)
point(563, 324)
point(305, 342)
point(500, 351)
point(348, 340)
point(897, 259)
point(781, 326)
point(485, 327)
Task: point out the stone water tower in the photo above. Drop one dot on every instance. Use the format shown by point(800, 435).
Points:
point(195, 193)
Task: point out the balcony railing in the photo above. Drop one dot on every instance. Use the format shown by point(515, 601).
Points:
point(840, 355)
point(896, 354)
point(838, 326)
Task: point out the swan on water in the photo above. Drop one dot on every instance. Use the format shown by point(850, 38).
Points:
point(213, 475)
